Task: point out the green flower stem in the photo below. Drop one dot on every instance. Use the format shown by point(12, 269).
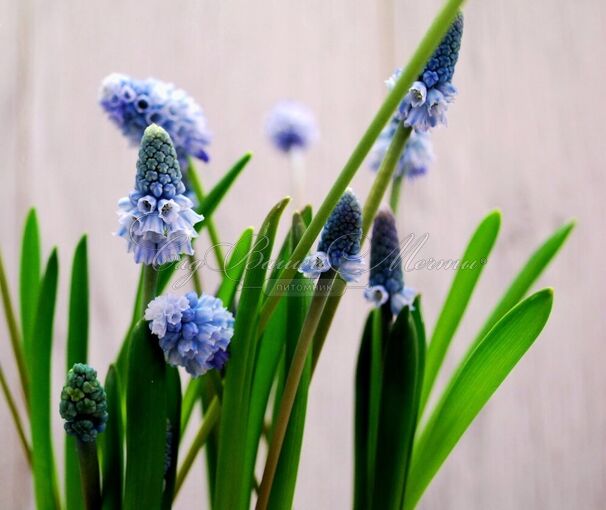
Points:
point(210, 420)
point(323, 289)
point(14, 333)
point(195, 275)
point(384, 177)
point(89, 474)
point(16, 418)
point(213, 233)
point(373, 201)
point(396, 190)
point(149, 283)
point(415, 66)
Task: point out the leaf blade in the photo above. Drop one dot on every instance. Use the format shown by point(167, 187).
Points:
point(459, 295)
point(477, 378)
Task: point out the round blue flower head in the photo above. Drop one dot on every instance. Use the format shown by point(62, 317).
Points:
point(339, 246)
point(194, 331)
point(425, 105)
point(83, 404)
point(386, 282)
point(135, 104)
point(156, 219)
point(416, 156)
point(291, 126)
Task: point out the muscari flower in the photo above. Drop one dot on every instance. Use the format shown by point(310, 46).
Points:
point(425, 105)
point(83, 403)
point(386, 282)
point(194, 332)
point(416, 155)
point(339, 246)
point(135, 104)
point(156, 219)
point(291, 126)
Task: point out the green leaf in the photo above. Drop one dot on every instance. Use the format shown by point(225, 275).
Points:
point(214, 197)
point(472, 385)
point(146, 409)
point(45, 478)
point(77, 347)
point(362, 412)
point(400, 395)
point(468, 272)
point(112, 443)
point(207, 207)
point(283, 487)
point(529, 274)
point(173, 424)
point(29, 277)
point(417, 317)
point(232, 490)
point(234, 269)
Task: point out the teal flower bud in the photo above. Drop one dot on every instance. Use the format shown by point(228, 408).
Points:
point(83, 403)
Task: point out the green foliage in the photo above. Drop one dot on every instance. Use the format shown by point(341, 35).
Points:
point(112, 444)
point(45, 478)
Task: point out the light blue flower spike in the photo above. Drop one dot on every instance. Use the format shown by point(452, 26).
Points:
point(194, 331)
point(156, 219)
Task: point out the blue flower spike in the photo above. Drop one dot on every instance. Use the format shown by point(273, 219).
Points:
point(416, 156)
point(386, 282)
point(339, 246)
point(291, 126)
point(132, 105)
point(426, 103)
point(194, 331)
point(156, 219)
point(83, 404)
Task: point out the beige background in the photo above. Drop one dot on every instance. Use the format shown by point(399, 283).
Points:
point(525, 135)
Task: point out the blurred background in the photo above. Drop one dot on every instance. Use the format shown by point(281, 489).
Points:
point(525, 135)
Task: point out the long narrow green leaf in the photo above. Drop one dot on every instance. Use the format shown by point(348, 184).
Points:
point(112, 444)
point(400, 395)
point(232, 490)
point(45, 478)
point(283, 488)
point(468, 272)
point(77, 349)
point(173, 425)
point(234, 269)
point(214, 197)
point(207, 207)
point(529, 274)
point(471, 387)
point(146, 405)
point(29, 276)
point(362, 412)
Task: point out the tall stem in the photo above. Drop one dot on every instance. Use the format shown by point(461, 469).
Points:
point(16, 418)
point(89, 474)
point(291, 386)
point(149, 282)
point(14, 333)
point(422, 54)
point(396, 190)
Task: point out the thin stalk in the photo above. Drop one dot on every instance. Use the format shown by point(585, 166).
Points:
point(291, 386)
point(195, 276)
point(149, 283)
point(16, 418)
point(384, 177)
point(89, 474)
point(297, 178)
point(328, 314)
point(396, 190)
point(422, 54)
point(14, 333)
point(210, 420)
